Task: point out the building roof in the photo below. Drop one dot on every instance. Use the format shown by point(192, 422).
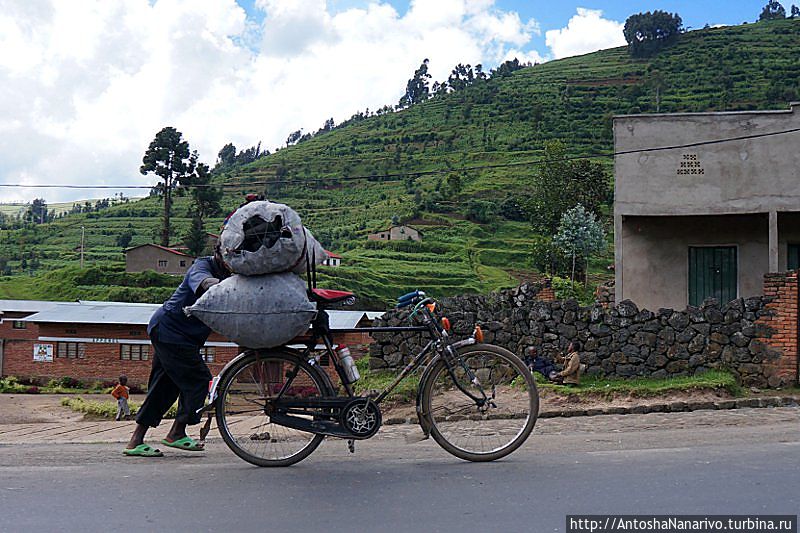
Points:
point(333, 255)
point(171, 250)
point(138, 314)
point(28, 306)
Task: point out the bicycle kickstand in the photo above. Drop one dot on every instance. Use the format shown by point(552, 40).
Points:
point(205, 429)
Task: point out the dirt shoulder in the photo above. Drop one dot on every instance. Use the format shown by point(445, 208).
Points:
point(43, 408)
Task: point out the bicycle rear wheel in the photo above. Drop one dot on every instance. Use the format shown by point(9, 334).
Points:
point(245, 393)
point(470, 431)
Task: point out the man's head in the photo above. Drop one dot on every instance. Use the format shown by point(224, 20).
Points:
point(123, 379)
point(530, 351)
point(221, 264)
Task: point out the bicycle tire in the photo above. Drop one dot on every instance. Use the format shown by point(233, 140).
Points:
point(265, 372)
point(497, 431)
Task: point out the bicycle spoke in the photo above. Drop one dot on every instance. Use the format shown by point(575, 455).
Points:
point(488, 431)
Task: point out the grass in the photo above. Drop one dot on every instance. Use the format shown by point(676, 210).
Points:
point(106, 409)
point(405, 392)
point(644, 387)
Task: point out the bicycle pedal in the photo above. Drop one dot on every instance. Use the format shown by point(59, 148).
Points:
point(413, 438)
point(351, 445)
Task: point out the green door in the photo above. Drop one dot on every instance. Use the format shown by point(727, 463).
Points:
point(712, 273)
point(793, 258)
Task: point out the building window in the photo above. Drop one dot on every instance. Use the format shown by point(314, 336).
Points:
point(793, 257)
point(208, 353)
point(134, 352)
point(71, 350)
point(183, 262)
point(19, 324)
point(162, 263)
point(712, 274)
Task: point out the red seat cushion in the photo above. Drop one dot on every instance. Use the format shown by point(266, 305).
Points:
point(330, 295)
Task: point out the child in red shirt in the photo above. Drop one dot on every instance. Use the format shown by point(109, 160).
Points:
point(120, 393)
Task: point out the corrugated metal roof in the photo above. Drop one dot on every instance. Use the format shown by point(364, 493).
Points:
point(92, 312)
point(96, 313)
point(29, 306)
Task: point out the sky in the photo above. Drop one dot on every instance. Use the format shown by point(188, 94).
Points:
point(85, 86)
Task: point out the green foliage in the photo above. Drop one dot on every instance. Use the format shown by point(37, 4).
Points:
point(646, 33)
point(106, 409)
point(579, 235)
point(378, 380)
point(561, 184)
point(417, 87)
point(566, 289)
point(773, 11)
point(168, 158)
point(644, 387)
point(196, 239)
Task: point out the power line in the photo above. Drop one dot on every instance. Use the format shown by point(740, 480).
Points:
point(398, 175)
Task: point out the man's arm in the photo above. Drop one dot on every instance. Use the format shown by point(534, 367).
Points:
point(572, 365)
point(206, 284)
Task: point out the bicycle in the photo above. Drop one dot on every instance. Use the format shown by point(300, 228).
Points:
point(274, 406)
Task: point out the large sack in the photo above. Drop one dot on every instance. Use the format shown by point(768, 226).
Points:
point(256, 311)
point(265, 237)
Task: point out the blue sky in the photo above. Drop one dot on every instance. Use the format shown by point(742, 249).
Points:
point(552, 15)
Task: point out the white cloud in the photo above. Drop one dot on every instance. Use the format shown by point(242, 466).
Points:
point(585, 32)
point(84, 86)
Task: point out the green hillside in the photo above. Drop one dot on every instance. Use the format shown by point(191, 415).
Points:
point(486, 138)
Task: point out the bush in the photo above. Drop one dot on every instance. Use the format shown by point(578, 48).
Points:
point(33, 389)
point(106, 409)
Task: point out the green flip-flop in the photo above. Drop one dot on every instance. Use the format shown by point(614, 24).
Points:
point(186, 443)
point(143, 450)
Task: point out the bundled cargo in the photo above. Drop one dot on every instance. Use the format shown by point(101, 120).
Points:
point(264, 237)
point(256, 311)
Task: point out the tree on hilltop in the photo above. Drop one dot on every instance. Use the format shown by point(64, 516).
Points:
point(168, 157)
point(795, 11)
point(646, 33)
point(772, 11)
point(417, 89)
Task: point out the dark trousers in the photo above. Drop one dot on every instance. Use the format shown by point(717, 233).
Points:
point(178, 373)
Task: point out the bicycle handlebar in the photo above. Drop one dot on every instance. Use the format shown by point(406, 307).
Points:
point(408, 299)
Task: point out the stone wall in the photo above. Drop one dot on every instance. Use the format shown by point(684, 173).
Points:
point(622, 341)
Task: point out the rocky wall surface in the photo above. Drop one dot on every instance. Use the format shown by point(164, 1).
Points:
point(621, 341)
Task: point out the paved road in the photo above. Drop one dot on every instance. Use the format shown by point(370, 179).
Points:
point(703, 462)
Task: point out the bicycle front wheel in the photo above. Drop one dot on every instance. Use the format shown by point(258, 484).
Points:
point(465, 427)
point(245, 395)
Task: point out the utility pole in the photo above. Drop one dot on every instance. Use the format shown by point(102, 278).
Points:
point(83, 234)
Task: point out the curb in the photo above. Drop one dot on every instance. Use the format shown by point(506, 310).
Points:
point(666, 407)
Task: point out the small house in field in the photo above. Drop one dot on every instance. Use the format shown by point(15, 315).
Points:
point(159, 258)
point(397, 233)
point(332, 259)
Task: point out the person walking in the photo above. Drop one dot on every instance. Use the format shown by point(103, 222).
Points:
point(178, 371)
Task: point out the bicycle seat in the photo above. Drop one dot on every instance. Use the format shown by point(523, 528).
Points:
point(329, 296)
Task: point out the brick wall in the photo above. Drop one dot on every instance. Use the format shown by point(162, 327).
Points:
point(102, 360)
point(780, 355)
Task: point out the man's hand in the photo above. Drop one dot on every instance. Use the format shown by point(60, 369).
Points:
point(207, 284)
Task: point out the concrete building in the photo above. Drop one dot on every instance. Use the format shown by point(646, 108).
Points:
point(397, 233)
point(158, 258)
point(711, 216)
